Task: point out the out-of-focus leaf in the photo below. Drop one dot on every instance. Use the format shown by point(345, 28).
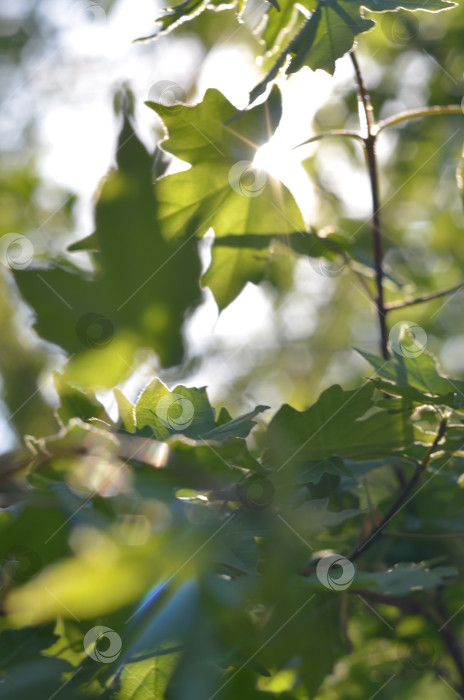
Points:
point(75, 403)
point(315, 470)
point(148, 679)
point(405, 578)
point(31, 540)
point(312, 621)
point(23, 663)
point(126, 411)
point(141, 290)
point(223, 189)
point(104, 578)
point(314, 516)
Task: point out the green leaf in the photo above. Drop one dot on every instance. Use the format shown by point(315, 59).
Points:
point(417, 378)
point(135, 297)
point(187, 411)
point(404, 578)
point(78, 587)
point(148, 679)
point(182, 12)
point(314, 516)
point(335, 426)
point(126, 411)
point(392, 5)
point(315, 470)
point(75, 403)
point(26, 669)
point(182, 410)
point(209, 466)
point(327, 34)
point(305, 629)
point(222, 189)
point(32, 539)
point(235, 427)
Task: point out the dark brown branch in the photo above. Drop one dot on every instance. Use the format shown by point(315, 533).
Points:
point(371, 159)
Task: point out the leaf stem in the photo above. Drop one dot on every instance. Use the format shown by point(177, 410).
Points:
point(417, 114)
point(326, 134)
point(367, 123)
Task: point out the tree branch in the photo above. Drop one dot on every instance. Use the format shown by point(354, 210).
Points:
point(417, 114)
point(420, 300)
point(402, 497)
point(367, 123)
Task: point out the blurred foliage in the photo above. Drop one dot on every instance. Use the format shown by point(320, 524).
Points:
point(162, 548)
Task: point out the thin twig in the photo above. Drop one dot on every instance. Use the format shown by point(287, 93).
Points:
point(402, 497)
point(419, 300)
point(335, 132)
point(425, 535)
point(417, 114)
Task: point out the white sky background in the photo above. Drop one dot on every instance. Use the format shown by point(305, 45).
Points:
point(72, 87)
